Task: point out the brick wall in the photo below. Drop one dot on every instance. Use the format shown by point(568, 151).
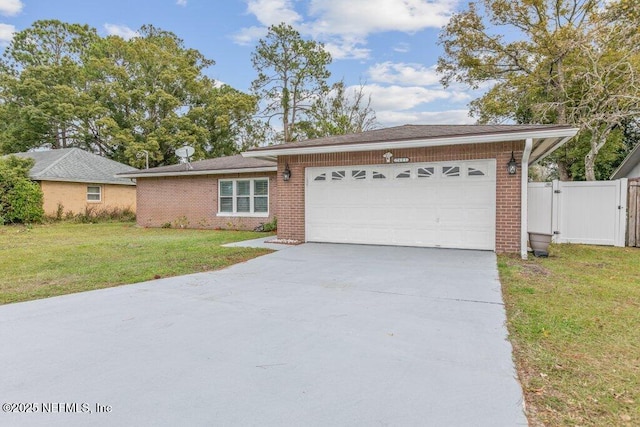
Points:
point(291, 194)
point(193, 202)
point(73, 196)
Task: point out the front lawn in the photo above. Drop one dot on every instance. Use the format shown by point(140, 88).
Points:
point(574, 322)
point(63, 258)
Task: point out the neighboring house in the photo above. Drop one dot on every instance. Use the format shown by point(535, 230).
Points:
point(224, 193)
point(414, 185)
point(76, 179)
point(630, 166)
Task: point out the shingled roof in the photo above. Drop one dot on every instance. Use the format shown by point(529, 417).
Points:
point(411, 132)
point(219, 165)
point(76, 165)
point(545, 139)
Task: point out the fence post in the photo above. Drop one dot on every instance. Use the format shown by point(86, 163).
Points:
point(634, 221)
point(621, 219)
point(555, 210)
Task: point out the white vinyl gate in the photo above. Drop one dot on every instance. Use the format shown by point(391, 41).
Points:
point(592, 212)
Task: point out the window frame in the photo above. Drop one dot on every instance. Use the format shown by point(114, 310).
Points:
point(252, 197)
point(99, 193)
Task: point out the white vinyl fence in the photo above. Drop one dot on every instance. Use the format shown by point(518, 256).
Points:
point(593, 212)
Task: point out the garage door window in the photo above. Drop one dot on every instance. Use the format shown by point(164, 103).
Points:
point(426, 172)
point(475, 172)
point(337, 175)
point(243, 197)
point(359, 174)
point(451, 171)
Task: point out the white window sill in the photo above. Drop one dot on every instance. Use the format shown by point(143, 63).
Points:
point(243, 214)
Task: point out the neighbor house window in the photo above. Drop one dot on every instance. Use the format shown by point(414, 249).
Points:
point(94, 193)
point(244, 197)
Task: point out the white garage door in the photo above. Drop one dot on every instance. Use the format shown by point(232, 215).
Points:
point(444, 204)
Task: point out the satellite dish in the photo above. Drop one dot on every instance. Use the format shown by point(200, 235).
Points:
point(185, 152)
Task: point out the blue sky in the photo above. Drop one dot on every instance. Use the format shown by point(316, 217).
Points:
point(388, 44)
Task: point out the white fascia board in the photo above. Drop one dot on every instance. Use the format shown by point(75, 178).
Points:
point(432, 142)
point(552, 149)
point(203, 172)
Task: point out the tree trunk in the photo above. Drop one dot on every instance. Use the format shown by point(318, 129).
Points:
point(563, 171)
point(590, 166)
point(598, 139)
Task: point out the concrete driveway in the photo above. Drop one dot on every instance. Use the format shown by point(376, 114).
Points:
point(317, 334)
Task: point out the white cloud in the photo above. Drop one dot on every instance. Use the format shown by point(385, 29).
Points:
point(345, 25)
point(6, 34)
point(402, 47)
point(181, 2)
point(10, 7)
point(343, 50)
point(120, 30)
point(246, 36)
point(404, 74)
point(398, 105)
point(273, 12)
point(449, 117)
point(364, 17)
point(396, 97)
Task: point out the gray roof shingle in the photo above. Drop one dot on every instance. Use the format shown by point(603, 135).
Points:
point(411, 132)
point(76, 165)
point(236, 162)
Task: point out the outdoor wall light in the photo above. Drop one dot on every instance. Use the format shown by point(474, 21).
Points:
point(286, 175)
point(512, 166)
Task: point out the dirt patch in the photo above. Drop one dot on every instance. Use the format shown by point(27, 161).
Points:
point(535, 269)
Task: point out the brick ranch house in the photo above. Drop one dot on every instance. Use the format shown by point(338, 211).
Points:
point(73, 180)
point(224, 193)
point(413, 185)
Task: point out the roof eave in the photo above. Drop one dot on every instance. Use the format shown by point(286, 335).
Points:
point(431, 142)
point(200, 172)
point(627, 164)
point(82, 181)
point(545, 147)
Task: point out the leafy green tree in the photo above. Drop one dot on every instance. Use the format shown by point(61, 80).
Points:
point(292, 73)
point(20, 198)
point(61, 85)
point(339, 112)
point(550, 61)
point(42, 83)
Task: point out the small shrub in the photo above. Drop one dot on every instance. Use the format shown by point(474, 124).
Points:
point(59, 212)
point(93, 215)
point(20, 198)
point(166, 225)
point(270, 226)
point(181, 222)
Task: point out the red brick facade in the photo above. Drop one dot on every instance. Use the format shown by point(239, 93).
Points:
point(291, 201)
point(192, 202)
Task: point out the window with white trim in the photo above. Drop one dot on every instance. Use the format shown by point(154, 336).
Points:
point(94, 193)
point(243, 197)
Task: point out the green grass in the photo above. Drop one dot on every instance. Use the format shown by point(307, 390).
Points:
point(62, 258)
point(574, 322)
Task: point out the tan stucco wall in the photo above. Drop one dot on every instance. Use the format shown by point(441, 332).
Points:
point(73, 196)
